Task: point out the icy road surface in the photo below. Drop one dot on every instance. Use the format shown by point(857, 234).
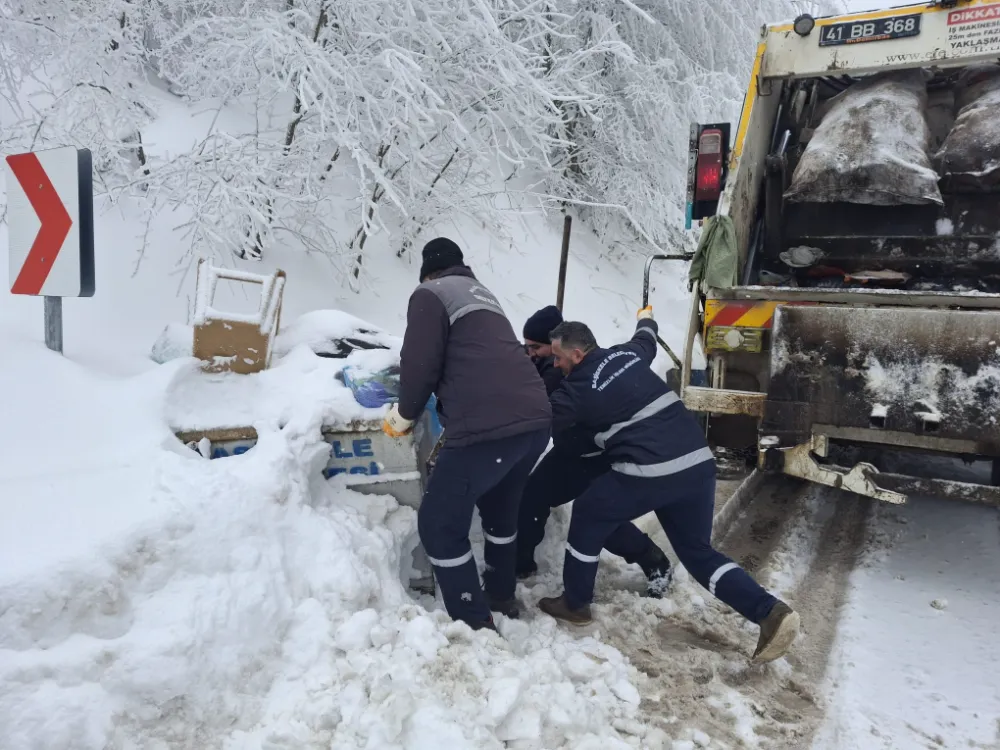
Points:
point(900, 609)
point(917, 657)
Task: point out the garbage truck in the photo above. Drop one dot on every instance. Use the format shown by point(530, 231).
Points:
point(847, 292)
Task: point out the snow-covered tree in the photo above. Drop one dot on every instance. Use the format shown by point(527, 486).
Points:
point(72, 74)
point(626, 146)
point(403, 113)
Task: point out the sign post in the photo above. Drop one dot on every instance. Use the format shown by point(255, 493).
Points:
point(563, 262)
point(51, 220)
point(53, 324)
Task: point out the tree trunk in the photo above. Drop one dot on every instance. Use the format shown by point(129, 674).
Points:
point(298, 112)
point(361, 236)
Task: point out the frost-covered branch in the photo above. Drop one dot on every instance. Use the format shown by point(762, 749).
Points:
point(380, 118)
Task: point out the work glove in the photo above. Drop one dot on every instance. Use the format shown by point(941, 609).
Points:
point(395, 426)
point(645, 313)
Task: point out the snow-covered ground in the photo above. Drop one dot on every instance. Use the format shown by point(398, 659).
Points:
point(916, 662)
point(151, 598)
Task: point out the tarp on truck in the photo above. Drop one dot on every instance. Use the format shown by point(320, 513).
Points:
point(871, 147)
point(716, 261)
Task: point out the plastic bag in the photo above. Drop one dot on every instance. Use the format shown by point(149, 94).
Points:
point(373, 389)
point(970, 155)
point(871, 147)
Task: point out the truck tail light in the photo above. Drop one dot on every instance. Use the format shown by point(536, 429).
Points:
point(708, 173)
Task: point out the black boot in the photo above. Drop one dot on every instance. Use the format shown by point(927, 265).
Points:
point(659, 573)
point(525, 569)
point(487, 625)
point(507, 607)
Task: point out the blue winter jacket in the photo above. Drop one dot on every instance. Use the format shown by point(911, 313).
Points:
point(640, 423)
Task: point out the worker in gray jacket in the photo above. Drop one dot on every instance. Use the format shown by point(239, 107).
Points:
point(460, 346)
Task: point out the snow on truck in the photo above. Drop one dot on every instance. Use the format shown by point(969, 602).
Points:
point(846, 289)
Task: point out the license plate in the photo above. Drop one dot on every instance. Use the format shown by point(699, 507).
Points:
point(857, 32)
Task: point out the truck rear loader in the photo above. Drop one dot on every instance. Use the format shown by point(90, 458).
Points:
point(859, 338)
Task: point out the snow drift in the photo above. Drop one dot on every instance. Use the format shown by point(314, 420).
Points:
point(249, 603)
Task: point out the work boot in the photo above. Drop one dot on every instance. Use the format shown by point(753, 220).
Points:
point(507, 607)
point(777, 633)
point(658, 571)
point(486, 625)
point(525, 570)
point(559, 609)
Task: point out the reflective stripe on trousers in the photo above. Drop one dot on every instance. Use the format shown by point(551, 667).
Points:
point(453, 562)
point(500, 539)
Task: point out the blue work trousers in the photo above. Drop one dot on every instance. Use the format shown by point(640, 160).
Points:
point(491, 476)
point(684, 503)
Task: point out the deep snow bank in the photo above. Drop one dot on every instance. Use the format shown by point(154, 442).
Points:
point(247, 603)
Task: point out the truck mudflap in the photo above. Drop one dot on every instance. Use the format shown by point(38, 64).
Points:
point(917, 378)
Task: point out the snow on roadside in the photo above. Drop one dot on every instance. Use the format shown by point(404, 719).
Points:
point(299, 385)
point(247, 603)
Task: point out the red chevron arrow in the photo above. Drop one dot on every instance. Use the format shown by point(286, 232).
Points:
point(52, 214)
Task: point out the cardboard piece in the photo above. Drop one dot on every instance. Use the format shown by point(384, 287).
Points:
point(236, 342)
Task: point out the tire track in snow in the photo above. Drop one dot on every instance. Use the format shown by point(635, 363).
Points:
point(819, 598)
point(694, 654)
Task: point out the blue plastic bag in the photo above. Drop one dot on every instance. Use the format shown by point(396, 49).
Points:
point(373, 390)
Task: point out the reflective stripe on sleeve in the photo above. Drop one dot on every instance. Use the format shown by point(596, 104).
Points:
point(654, 407)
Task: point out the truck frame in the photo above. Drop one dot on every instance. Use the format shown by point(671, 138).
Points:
point(790, 368)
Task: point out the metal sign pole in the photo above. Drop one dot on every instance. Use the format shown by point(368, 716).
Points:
point(563, 262)
point(53, 324)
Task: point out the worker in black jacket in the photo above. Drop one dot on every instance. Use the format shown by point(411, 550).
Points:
point(539, 346)
point(567, 470)
point(660, 463)
point(460, 346)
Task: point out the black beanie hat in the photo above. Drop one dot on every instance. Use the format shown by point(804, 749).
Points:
point(539, 325)
point(439, 254)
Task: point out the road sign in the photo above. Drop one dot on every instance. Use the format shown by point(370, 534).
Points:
point(51, 220)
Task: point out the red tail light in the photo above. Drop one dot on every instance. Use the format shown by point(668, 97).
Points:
point(708, 174)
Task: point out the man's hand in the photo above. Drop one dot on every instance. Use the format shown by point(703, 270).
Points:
point(394, 425)
point(645, 313)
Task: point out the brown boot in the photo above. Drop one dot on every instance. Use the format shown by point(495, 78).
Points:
point(777, 633)
point(559, 609)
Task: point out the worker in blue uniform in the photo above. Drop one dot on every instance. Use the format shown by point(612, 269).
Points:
point(567, 470)
point(660, 463)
